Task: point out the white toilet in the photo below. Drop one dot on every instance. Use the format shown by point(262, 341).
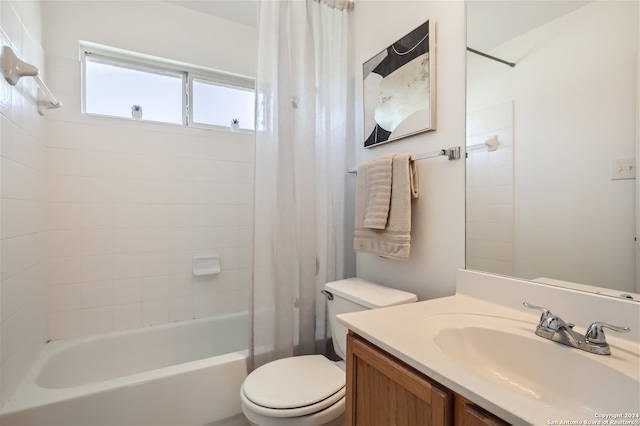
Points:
point(310, 390)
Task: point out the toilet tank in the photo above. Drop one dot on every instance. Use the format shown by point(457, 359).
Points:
point(353, 295)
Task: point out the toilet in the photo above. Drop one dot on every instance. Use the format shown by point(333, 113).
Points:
point(309, 390)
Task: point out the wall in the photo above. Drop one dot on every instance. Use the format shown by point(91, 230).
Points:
point(131, 203)
point(575, 83)
point(489, 191)
point(438, 220)
point(22, 208)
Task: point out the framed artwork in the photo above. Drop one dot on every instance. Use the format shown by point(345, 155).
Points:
point(399, 88)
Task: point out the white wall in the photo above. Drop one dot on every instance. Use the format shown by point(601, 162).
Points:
point(153, 27)
point(574, 113)
point(22, 193)
point(489, 224)
point(131, 203)
point(437, 247)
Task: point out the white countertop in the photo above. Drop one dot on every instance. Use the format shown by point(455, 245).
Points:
point(408, 333)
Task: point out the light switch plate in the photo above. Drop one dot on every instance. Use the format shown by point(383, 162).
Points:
point(623, 168)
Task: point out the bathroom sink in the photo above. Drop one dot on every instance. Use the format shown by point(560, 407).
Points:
point(508, 353)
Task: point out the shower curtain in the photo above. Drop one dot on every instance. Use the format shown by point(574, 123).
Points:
point(304, 138)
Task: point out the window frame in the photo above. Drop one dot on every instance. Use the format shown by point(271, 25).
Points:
point(137, 66)
point(209, 79)
point(148, 63)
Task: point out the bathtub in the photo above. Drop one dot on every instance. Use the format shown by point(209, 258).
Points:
point(184, 373)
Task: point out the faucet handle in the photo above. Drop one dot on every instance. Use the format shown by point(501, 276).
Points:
point(549, 323)
point(595, 332)
point(546, 313)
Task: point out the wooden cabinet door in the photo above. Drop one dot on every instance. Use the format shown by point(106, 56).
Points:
point(466, 413)
point(383, 391)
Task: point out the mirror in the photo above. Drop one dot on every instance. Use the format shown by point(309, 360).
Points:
point(551, 142)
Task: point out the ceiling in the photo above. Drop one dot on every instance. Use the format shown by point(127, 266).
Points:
point(491, 23)
point(244, 12)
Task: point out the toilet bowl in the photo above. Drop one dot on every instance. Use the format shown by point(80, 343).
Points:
point(310, 390)
point(279, 393)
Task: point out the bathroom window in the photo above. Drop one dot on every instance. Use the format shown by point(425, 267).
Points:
point(216, 104)
point(127, 85)
point(111, 88)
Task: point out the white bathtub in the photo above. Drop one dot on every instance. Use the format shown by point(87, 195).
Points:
point(184, 373)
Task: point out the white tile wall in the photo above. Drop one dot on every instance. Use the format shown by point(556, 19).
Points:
point(100, 218)
point(129, 206)
point(490, 219)
point(22, 203)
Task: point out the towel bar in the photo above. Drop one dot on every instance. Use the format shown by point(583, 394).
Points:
point(13, 69)
point(453, 153)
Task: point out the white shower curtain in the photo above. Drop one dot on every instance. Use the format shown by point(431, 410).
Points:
point(304, 135)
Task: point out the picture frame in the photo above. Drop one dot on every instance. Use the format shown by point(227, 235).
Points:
point(399, 88)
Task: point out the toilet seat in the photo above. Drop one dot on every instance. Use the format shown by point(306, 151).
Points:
point(294, 387)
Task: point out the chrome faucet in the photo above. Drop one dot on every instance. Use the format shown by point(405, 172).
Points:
point(554, 328)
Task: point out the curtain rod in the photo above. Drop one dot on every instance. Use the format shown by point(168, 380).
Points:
point(477, 52)
point(453, 153)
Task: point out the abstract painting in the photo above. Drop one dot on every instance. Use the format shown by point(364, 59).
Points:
point(399, 88)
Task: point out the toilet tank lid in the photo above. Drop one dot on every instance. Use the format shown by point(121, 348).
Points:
point(369, 294)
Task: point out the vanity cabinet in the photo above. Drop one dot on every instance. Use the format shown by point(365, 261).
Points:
point(466, 413)
point(382, 390)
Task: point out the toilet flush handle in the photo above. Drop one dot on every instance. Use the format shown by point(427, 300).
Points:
point(328, 294)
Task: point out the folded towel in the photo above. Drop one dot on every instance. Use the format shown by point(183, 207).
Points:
point(374, 179)
point(394, 241)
